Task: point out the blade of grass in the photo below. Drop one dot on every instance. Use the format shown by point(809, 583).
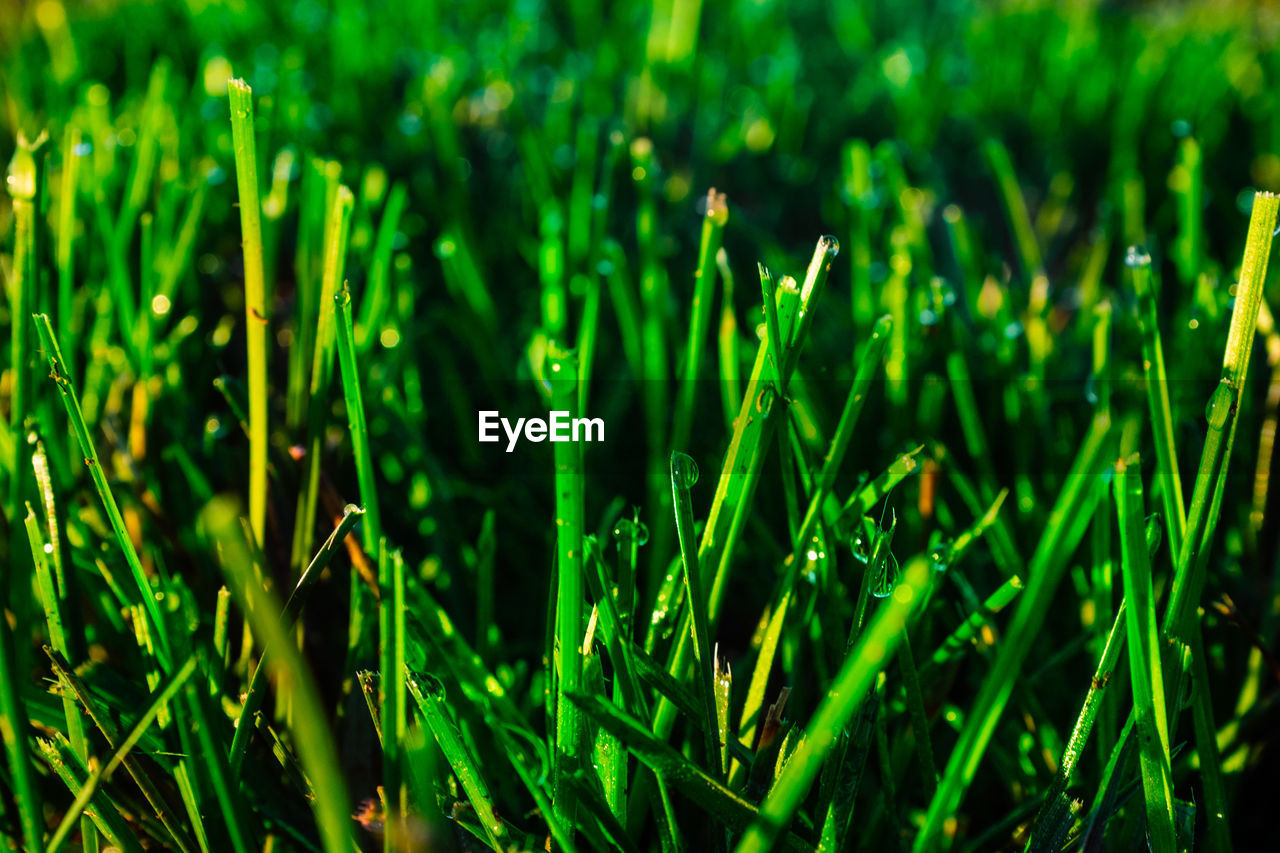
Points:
point(372, 527)
point(1222, 415)
point(337, 225)
point(965, 631)
point(108, 819)
point(69, 192)
point(395, 713)
point(1138, 262)
point(1062, 532)
point(64, 673)
point(869, 656)
point(704, 282)
point(377, 297)
point(428, 693)
point(162, 696)
point(50, 594)
point(1054, 819)
point(1144, 657)
point(569, 594)
point(868, 366)
point(700, 788)
point(256, 318)
point(729, 343)
point(70, 399)
point(684, 474)
point(616, 640)
point(753, 433)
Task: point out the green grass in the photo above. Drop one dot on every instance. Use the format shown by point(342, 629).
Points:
point(264, 264)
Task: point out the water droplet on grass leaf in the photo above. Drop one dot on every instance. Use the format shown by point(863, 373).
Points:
point(1218, 410)
point(631, 531)
point(1136, 257)
point(684, 471)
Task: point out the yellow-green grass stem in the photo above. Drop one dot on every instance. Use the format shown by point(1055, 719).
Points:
point(256, 317)
point(1054, 819)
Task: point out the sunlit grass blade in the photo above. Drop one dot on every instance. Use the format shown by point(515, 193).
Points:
point(569, 595)
point(337, 225)
point(869, 366)
point(71, 401)
point(395, 712)
point(704, 280)
point(712, 797)
point(429, 695)
point(1054, 819)
point(684, 474)
point(749, 444)
point(1222, 416)
point(1066, 523)
point(107, 816)
point(359, 430)
point(616, 639)
point(868, 657)
point(965, 632)
point(173, 684)
point(52, 593)
point(107, 726)
point(256, 315)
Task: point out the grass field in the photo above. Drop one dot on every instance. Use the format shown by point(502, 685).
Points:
point(935, 354)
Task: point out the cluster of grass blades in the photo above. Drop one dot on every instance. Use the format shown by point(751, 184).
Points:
point(942, 539)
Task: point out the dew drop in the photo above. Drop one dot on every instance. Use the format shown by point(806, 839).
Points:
point(1218, 410)
point(1091, 389)
point(684, 471)
point(1136, 257)
point(631, 531)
